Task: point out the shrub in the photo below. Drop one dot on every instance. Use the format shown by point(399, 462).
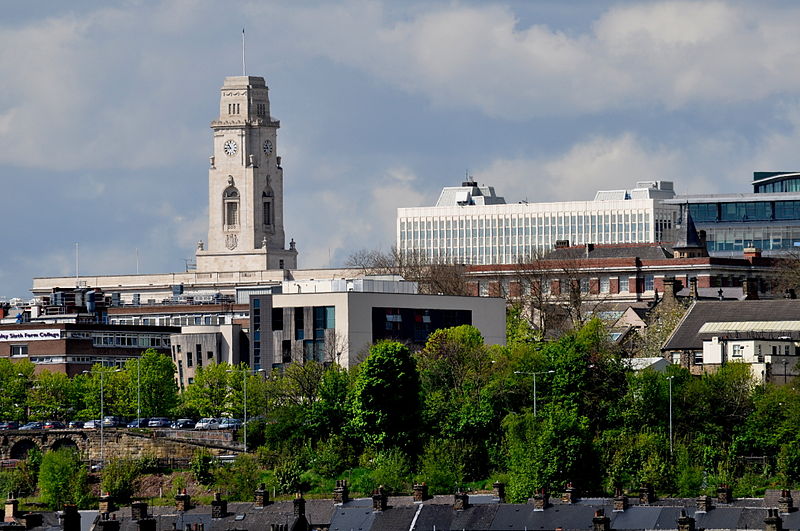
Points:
point(118, 478)
point(441, 467)
point(201, 465)
point(63, 479)
point(238, 479)
point(287, 476)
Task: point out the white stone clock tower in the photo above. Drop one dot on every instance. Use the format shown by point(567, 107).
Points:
point(245, 185)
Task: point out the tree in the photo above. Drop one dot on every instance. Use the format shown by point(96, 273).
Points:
point(53, 396)
point(207, 395)
point(154, 374)
point(385, 399)
point(114, 387)
point(63, 479)
point(661, 322)
point(16, 377)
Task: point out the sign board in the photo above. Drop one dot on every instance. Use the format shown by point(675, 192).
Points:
point(30, 335)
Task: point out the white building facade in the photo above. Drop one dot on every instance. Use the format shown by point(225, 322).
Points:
point(471, 225)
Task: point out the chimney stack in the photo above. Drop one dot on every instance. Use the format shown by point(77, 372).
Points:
point(341, 493)
point(379, 499)
point(299, 505)
point(570, 494)
point(785, 502)
point(219, 507)
point(685, 523)
point(646, 494)
point(724, 494)
point(32, 520)
point(11, 509)
point(773, 522)
point(601, 522)
point(541, 500)
point(620, 501)
point(106, 504)
point(420, 492)
point(139, 510)
point(70, 518)
point(499, 491)
point(703, 504)
point(183, 502)
point(104, 524)
point(460, 500)
point(693, 288)
point(670, 288)
point(262, 497)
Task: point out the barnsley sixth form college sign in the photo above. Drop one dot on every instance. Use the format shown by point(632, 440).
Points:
point(30, 335)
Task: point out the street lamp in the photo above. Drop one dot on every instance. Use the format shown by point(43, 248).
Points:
point(245, 374)
point(138, 392)
point(102, 414)
point(669, 378)
point(534, 384)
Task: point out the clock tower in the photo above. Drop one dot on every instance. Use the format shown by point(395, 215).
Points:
point(245, 185)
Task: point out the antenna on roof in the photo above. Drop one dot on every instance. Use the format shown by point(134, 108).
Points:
point(244, 68)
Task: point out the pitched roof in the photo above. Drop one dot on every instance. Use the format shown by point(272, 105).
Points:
point(687, 335)
point(652, 251)
point(687, 236)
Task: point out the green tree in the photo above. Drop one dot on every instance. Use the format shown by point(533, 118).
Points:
point(63, 479)
point(385, 399)
point(16, 377)
point(238, 479)
point(112, 382)
point(118, 477)
point(53, 396)
point(207, 395)
point(518, 328)
point(154, 374)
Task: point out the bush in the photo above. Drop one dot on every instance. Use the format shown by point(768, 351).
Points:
point(238, 479)
point(388, 468)
point(287, 476)
point(63, 479)
point(201, 465)
point(441, 467)
point(118, 478)
point(332, 457)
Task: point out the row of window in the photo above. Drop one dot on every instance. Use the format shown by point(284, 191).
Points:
point(119, 339)
point(230, 206)
point(745, 211)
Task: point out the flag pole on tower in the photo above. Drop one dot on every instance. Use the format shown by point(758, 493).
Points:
point(244, 68)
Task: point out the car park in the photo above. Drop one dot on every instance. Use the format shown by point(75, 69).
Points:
point(32, 426)
point(138, 423)
point(9, 425)
point(207, 423)
point(158, 422)
point(75, 424)
point(112, 421)
point(183, 424)
point(53, 425)
point(91, 425)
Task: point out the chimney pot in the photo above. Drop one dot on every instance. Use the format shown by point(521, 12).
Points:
point(219, 507)
point(379, 499)
point(540, 500)
point(724, 494)
point(685, 523)
point(773, 521)
point(570, 494)
point(620, 501)
point(341, 493)
point(499, 491)
point(600, 522)
point(785, 502)
point(703, 504)
point(262, 497)
point(71, 518)
point(460, 501)
point(299, 505)
point(646, 494)
point(420, 492)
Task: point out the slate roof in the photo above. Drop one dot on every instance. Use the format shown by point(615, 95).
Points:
point(644, 252)
point(686, 335)
point(687, 233)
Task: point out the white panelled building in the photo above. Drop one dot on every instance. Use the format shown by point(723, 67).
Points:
point(470, 224)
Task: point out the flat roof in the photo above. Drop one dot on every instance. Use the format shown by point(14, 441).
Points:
point(731, 198)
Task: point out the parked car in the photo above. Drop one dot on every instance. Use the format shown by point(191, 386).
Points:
point(32, 426)
point(230, 424)
point(53, 425)
point(158, 422)
point(9, 425)
point(207, 424)
point(138, 423)
point(183, 424)
point(75, 424)
point(111, 421)
point(91, 425)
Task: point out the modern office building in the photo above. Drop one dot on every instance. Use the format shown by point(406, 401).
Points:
point(337, 321)
point(470, 224)
point(767, 219)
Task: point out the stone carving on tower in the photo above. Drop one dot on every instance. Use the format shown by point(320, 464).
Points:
point(245, 184)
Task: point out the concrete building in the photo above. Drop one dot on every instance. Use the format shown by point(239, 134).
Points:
point(471, 225)
point(337, 321)
point(196, 346)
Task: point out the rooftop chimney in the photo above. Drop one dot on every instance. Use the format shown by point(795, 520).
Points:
point(420, 492)
point(70, 518)
point(299, 505)
point(499, 491)
point(105, 523)
point(693, 288)
point(750, 289)
point(724, 494)
point(685, 523)
point(460, 500)
point(379, 499)
point(183, 502)
point(341, 493)
point(32, 520)
point(670, 288)
point(773, 522)
point(703, 504)
point(262, 497)
point(570, 494)
point(785, 502)
point(11, 510)
point(139, 510)
point(601, 522)
point(620, 501)
point(646, 495)
point(106, 504)
point(219, 507)
point(751, 252)
point(540, 500)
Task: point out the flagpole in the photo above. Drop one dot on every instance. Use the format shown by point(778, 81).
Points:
point(244, 68)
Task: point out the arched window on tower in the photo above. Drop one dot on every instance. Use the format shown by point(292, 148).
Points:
point(230, 206)
point(267, 200)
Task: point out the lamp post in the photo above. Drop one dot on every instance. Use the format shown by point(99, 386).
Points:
point(102, 414)
point(245, 373)
point(534, 384)
point(138, 392)
point(669, 378)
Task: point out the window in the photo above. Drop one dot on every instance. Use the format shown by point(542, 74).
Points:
point(277, 318)
point(738, 351)
point(266, 198)
point(19, 350)
point(605, 285)
point(188, 359)
point(231, 207)
point(286, 351)
point(649, 283)
point(210, 354)
point(299, 327)
point(698, 357)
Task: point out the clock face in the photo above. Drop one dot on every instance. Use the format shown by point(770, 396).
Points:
point(230, 147)
point(267, 147)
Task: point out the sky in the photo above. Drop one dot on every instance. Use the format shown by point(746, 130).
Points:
point(105, 110)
